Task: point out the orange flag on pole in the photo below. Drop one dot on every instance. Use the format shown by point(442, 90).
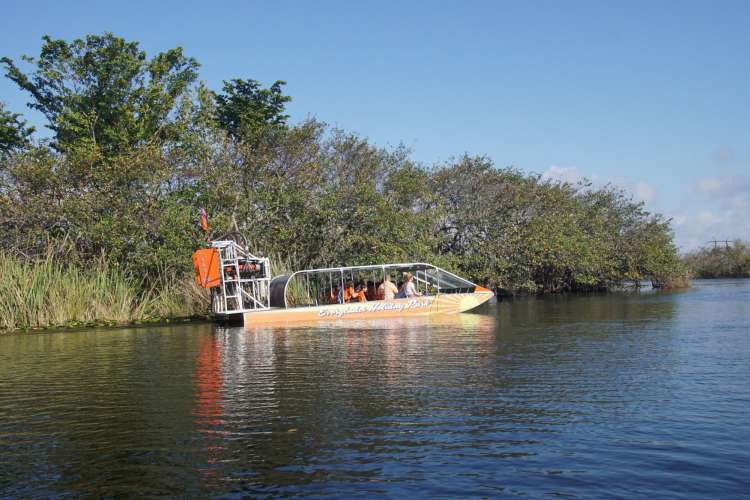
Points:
point(204, 220)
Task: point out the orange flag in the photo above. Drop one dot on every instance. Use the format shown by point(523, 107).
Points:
point(204, 220)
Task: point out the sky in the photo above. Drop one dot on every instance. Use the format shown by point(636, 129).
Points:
point(651, 96)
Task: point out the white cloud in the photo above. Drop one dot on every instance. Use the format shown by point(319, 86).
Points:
point(693, 229)
point(724, 186)
point(708, 185)
point(562, 174)
point(740, 201)
point(706, 218)
point(641, 190)
point(723, 154)
point(645, 192)
point(679, 220)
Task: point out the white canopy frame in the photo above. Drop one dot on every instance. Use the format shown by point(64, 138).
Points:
point(416, 267)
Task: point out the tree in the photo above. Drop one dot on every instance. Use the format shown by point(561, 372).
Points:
point(720, 262)
point(14, 134)
point(138, 147)
point(480, 213)
point(102, 92)
point(245, 107)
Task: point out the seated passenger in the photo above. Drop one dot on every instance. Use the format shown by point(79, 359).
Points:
point(361, 293)
point(408, 289)
point(371, 292)
point(387, 290)
point(348, 291)
point(333, 295)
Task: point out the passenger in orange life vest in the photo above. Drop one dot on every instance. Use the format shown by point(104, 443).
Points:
point(387, 290)
point(333, 295)
point(361, 293)
point(349, 291)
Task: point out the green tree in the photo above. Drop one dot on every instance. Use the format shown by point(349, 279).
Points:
point(245, 107)
point(14, 134)
point(374, 204)
point(520, 232)
point(138, 148)
point(102, 92)
point(720, 262)
point(480, 216)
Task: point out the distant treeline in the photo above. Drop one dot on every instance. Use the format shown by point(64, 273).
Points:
point(720, 261)
point(138, 144)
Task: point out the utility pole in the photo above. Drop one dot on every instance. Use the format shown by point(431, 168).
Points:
point(716, 243)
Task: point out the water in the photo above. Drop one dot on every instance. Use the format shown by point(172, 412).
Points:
point(621, 395)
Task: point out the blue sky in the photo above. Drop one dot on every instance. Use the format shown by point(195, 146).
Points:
point(652, 96)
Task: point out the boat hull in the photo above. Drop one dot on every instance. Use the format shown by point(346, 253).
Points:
point(451, 303)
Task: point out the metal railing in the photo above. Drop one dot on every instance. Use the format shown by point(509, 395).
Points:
point(425, 274)
point(245, 280)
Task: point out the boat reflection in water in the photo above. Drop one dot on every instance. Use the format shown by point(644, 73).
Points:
point(264, 384)
point(209, 411)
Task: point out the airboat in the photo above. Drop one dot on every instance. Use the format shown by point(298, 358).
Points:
point(241, 286)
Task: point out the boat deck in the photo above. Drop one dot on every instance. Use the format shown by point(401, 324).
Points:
point(413, 306)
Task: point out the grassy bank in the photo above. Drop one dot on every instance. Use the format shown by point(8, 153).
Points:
point(48, 293)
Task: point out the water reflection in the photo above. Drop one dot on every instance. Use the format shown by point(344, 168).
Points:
point(291, 389)
point(563, 396)
point(209, 382)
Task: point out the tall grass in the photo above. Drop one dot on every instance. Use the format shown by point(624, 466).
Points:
point(47, 293)
point(284, 264)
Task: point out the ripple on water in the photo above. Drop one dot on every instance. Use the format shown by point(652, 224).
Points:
point(625, 395)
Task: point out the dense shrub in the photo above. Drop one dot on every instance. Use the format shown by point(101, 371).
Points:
point(138, 147)
point(720, 262)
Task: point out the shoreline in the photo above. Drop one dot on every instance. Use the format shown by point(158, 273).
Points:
point(109, 325)
point(501, 295)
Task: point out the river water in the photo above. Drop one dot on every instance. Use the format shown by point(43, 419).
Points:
point(620, 395)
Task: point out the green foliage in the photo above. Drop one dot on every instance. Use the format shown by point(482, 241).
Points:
point(124, 207)
point(102, 92)
point(138, 148)
point(720, 262)
point(48, 292)
point(14, 134)
point(518, 232)
point(244, 107)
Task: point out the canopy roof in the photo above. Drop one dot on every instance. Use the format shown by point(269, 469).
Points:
point(430, 273)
